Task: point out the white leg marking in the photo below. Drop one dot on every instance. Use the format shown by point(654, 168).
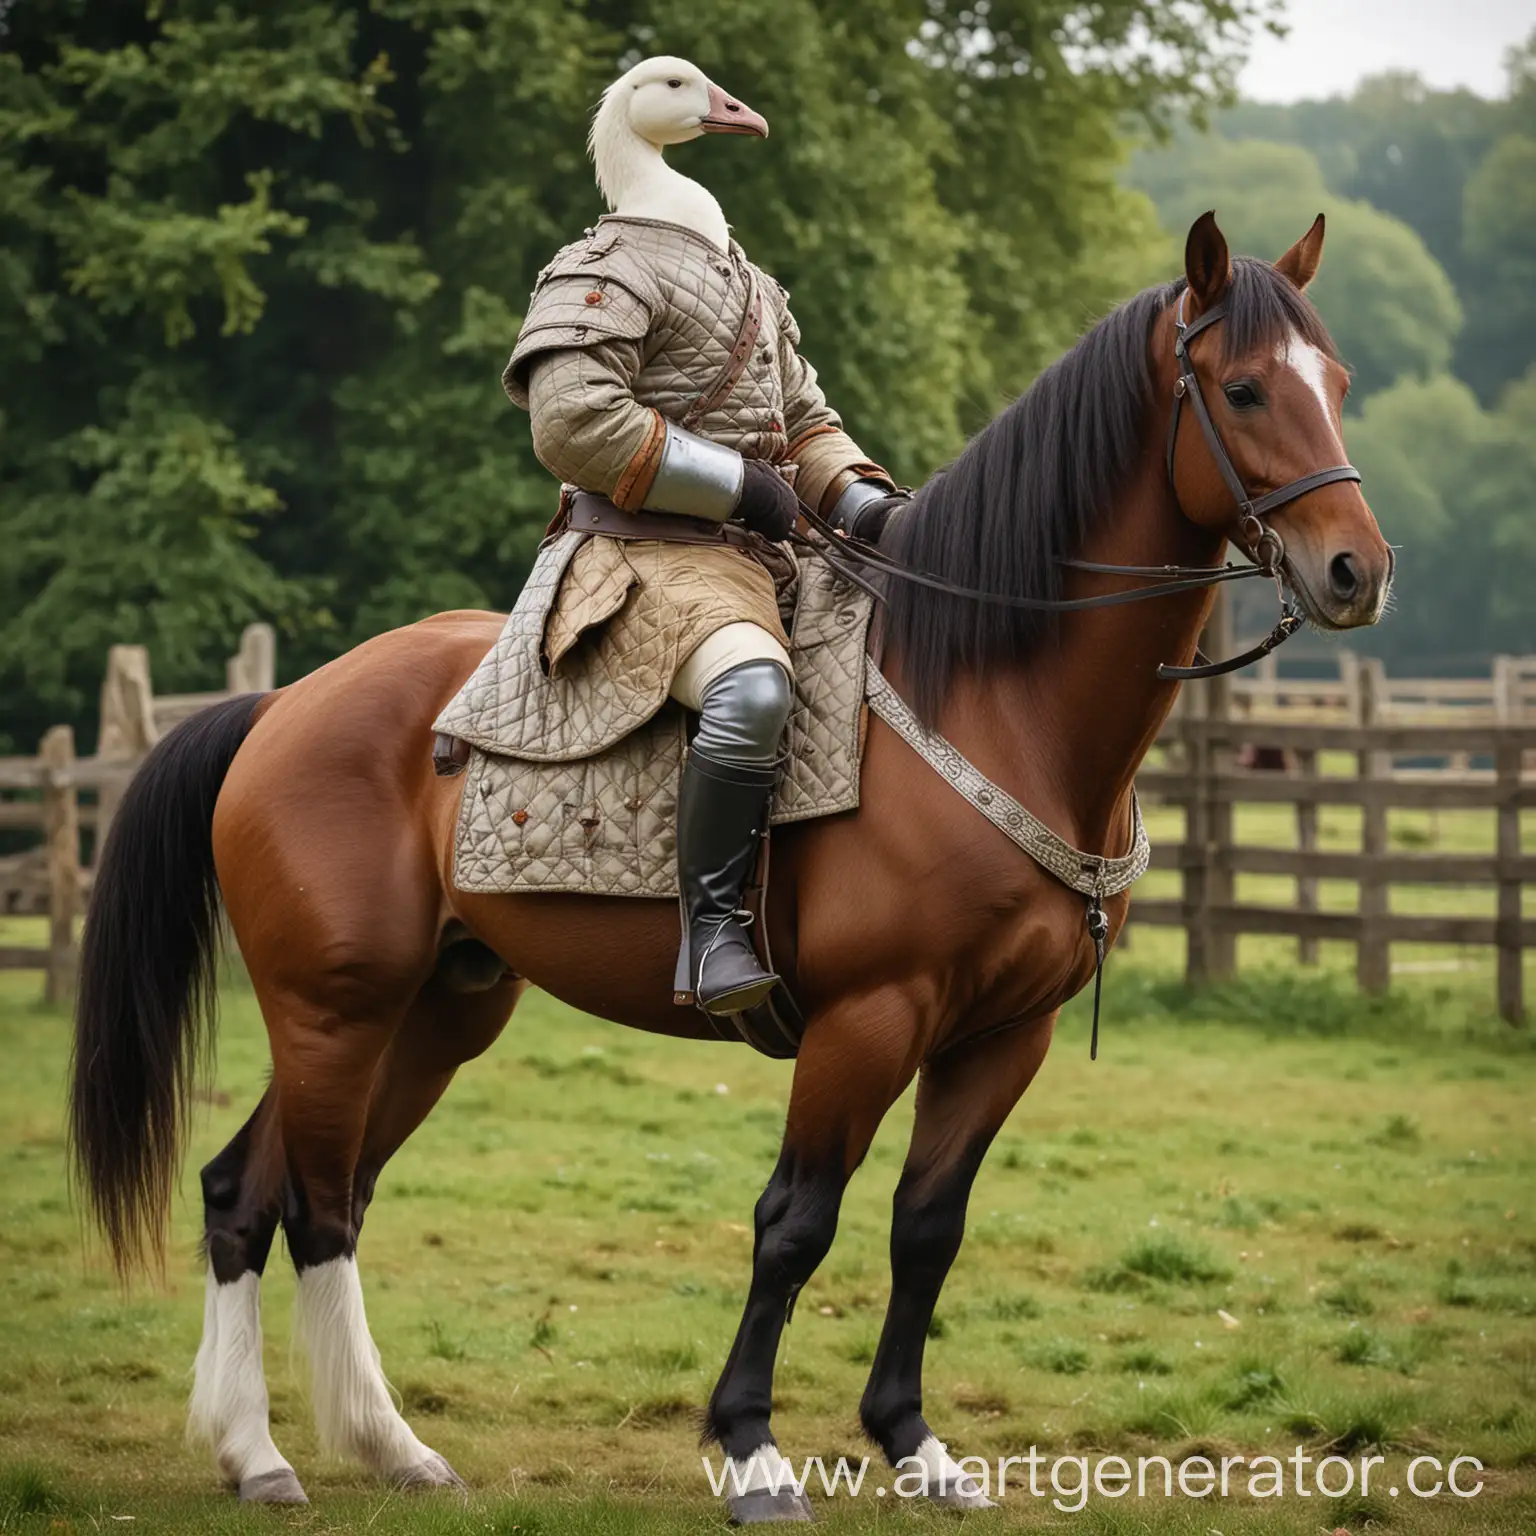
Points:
point(354, 1410)
point(947, 1483)
point(229, 1393)
point(764, 1468)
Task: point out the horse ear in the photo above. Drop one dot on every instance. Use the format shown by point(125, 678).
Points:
point(1207, 261)
point(1301, 262)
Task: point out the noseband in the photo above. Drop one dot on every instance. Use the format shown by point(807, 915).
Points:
point(1257, 538)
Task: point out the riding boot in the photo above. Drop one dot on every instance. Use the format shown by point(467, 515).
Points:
point(722, 813)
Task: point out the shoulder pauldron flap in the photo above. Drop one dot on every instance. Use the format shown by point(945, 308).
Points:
point(593, 291)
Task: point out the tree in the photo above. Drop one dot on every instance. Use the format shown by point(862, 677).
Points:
point(1394, 143)
point(1511, 611)
point(1499, 234)
point(1389, 305)
point(264, 264)
point(1448, 483)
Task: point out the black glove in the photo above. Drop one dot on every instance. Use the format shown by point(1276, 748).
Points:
point(768, 506)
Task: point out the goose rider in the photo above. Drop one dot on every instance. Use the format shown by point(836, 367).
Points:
point(662, 376)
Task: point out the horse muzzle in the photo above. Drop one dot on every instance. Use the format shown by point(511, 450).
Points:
point(1341, 585)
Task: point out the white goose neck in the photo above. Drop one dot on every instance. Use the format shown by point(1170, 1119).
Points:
point(638, 183)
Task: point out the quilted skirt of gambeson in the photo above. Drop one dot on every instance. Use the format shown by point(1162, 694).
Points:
point(648, 604)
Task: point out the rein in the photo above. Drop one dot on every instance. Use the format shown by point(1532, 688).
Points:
point(1263, 543)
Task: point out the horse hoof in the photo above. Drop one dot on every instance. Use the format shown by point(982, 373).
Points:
point(277, 1487)
point(764, 1506)
point(434, 1472)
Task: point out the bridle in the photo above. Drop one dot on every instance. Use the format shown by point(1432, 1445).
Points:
point(1259, 540)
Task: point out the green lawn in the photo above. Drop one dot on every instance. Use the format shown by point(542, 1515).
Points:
point(555, 1266)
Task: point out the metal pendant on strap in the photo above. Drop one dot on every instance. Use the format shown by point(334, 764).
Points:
point(1098, 931)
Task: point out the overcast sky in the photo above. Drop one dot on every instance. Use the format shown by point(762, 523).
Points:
point(1332, 44)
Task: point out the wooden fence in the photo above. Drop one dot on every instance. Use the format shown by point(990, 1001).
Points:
point(1507, 696)
point(43, 793)
point(1436, 744)
point(1440, 728)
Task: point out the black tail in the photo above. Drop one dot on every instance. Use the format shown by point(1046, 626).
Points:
point(145, 1007)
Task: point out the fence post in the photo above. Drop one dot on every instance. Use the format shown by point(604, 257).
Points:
point(127, 724)
point(1349, 677)
point(61, 828)
point(1511, 979)
point(253, 668)
point(1373, 959)
point(1306, 842)
point(1506, 690)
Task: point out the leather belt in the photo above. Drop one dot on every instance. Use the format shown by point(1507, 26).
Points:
point(588, 512)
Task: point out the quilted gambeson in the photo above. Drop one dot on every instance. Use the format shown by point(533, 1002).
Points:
point(601, 819)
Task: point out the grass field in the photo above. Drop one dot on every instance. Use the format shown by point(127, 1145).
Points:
point(555, 1266)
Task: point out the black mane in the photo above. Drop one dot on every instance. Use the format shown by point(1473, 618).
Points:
point(1031, 486)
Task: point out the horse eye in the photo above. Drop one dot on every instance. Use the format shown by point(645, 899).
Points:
point(1242, 397)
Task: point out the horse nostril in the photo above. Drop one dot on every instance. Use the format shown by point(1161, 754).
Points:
point(1343, 577)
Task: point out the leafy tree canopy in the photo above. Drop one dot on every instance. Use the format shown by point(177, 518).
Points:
point(263, 265)
point(1452, 166)
point(1449, 483)
point(1388, 303)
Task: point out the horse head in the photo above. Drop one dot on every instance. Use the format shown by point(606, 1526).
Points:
point(1267, 388)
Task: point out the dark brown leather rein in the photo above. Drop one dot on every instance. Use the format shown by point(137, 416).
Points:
point(1264, 546)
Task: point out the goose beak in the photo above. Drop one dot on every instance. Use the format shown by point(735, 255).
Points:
point(727, 115)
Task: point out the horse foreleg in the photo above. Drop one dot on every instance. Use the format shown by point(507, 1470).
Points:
point(242, 1194)
point(963, 1098)
point(851, 1069)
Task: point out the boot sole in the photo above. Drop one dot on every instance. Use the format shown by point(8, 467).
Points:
point(740, 999)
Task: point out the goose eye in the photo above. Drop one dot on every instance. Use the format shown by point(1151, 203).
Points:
point(1243, 396)
point(676, 85)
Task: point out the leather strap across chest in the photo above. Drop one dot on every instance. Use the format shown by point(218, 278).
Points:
point(1094, 875)
point(719, 388)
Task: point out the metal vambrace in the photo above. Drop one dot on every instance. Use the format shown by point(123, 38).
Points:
point(696, 478)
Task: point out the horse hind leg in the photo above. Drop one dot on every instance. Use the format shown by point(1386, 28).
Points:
point(337, 1147)
point(242, 1191)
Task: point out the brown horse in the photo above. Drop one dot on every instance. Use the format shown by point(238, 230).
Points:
point(918, 940)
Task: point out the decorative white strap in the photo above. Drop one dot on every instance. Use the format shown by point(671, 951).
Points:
point(1088, 873)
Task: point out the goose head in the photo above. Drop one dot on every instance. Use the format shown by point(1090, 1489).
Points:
point(664, 101)
point(661, 102)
